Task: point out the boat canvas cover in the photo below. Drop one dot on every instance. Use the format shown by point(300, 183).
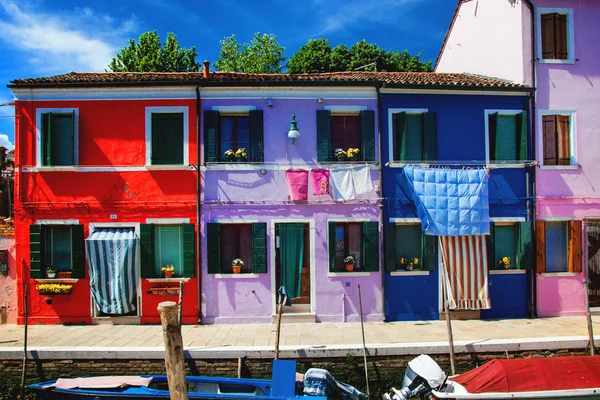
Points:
point(533, 374)
point(111, 255)
point(100, 382)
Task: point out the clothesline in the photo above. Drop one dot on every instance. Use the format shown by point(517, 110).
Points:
point(464, 164)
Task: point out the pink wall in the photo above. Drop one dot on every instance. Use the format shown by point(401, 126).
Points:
point(488, 38)
point(559, 295)
point(8, 284)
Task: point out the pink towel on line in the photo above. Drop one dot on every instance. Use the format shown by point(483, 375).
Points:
point(320, 181)
point(297, 180)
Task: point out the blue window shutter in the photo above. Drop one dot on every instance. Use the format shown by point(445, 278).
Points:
point(389, 232)
point(78, 244)
point(211, 136)
point(259, 248)
point(256, 136)
point(367, 120)
point(371, 246)
point(213, 248)
point(324, 152)
point(36, 251)
point(429, 137)
point(189, 251)
point(146, 251)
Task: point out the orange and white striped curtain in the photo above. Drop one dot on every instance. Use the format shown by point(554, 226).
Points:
point(464, 259)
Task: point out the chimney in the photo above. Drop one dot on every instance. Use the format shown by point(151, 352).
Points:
point(206, 69)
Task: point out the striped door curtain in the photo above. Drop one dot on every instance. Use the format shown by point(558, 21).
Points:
point(464, 259)
point(111, 255)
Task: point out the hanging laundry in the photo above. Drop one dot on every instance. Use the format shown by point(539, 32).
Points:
point(320, 181)
point(341, 184)
point(362, 180)
point(297, 180)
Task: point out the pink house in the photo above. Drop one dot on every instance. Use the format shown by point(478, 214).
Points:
point(550, 44)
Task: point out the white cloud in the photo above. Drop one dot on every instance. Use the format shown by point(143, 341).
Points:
point(5, 141)
point(75, 40)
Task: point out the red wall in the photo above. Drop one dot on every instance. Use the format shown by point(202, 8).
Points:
point(111, 133)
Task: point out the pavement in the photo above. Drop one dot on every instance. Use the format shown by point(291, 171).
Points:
point(297, 340)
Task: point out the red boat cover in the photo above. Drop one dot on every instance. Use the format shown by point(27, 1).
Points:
point(533, 374)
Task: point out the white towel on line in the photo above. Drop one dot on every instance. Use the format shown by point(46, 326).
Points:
point(341, 184)
point(362, 180)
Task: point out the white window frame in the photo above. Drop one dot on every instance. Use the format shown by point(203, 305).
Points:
point(487, 114)
point(572, 139)
point(507, 221)
point(565, 221)
point(38, 135)
point(391, 112)
point(346, 274)
point(157, 110)
point(238, 221)
point(408, 221)
point(570, 35)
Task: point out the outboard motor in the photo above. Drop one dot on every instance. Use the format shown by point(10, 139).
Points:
point(422, 376)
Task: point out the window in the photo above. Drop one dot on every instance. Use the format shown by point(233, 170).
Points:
point(555, 35)
point(357, 239)
point(233, 131)
point(337, 130)
point(557, 136)
point(404, 244)
point(513, 241)
point(57, 138)
point(167, 138)
point(507, 133)
point(414, 136)
point(163, 245)
point(559, 246)
point(226, 242)
point(56, 246)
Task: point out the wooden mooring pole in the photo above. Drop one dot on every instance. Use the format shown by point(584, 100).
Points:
point(588, 315)
point(174, 357)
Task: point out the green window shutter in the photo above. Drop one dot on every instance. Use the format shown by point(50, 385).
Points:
point(259, 248)
point(367, 135)
point(429, 252)
point(506, 138)
point(146, 251)
point(61, 140)
point(211, 136)
point(36, 251)
point(505, 245)
point(413, 137)
point(257, 153)
point(167, 138)
point(189, 251)
point(525, 257)
point(371, 246)
point(46, 138)
point(401, 137)
point(332, 243)
point(491, 248)
point(408, 243)
point(213, 248)
point(429, 137)
point(522, 136)
point(389, 233)
point(324, 152)
point(492, 131)
point(78, 245)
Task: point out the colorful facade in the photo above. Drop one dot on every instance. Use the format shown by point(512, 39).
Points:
point(554, 50)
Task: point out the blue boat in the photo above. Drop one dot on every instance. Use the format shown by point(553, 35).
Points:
point(317, 384)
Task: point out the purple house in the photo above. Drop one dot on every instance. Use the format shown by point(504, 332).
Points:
point(280, 207)
point(549, 44)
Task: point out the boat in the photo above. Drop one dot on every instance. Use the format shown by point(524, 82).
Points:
point(569, 377)
point(283, 385)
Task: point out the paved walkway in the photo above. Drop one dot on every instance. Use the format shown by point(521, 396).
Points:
point(297, 340)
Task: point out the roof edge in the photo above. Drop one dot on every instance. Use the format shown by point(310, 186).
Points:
point(452, 21)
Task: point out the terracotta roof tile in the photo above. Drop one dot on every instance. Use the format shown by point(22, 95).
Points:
point(393, 79)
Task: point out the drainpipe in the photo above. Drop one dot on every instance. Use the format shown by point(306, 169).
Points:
point(381, 220)
point(198, 202)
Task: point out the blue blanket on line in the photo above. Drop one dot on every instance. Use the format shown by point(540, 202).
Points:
point(450, 202)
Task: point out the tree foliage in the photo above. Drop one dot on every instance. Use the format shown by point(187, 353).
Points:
point(318, 56)
point(150, 55)
point(263, 55)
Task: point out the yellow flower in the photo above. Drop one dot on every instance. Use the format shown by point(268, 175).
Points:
point(506, 260)
point(415, 261)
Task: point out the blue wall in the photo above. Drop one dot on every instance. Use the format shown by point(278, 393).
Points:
point(460, 138)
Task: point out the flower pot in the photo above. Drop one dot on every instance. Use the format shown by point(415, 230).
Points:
point(51, 275)
point(236, 269)
point(168, 274)
point(349, 267)
point(341, 158)
point(229, 158)
point(63, 275)
point(354, 158)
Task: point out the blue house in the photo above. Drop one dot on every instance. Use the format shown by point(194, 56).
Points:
point(476, 123)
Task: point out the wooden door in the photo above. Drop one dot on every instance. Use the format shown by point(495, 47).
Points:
point(592, 237)
point(305, 275)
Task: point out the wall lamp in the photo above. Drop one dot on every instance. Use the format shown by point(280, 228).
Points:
point(294, 132)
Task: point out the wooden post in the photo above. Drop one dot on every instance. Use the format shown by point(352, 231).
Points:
point(180, 305)
point(279, 312)
point(174, 358)
point(447, 309)
point(362, 326)
point(588, 315)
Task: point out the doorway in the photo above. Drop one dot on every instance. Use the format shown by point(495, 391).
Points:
point(292, 263)
point(592, 239)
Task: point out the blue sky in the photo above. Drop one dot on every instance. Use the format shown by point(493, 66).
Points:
point(49, 37)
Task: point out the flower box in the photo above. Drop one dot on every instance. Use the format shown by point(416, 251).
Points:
point(164, 291)
point(54, 289)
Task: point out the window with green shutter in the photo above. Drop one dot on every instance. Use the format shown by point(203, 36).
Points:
point(58, 138)
point(234, 137)
point(344, 131)
point(505, 246)
point(408, 249)
point(60, 247)
point(167, 133)
point(414, 136)
point(227, 242)
point(359, 240)
point(507, 133)
point(162, 245)
point(168, 248)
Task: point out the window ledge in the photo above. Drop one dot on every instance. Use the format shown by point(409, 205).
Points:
point(236, 276)
point(48, 169)
point(347, 274)
point(497, 165)
point(57, 280)
point(169, 167)
point(568, 61)
point(558, 274)
point(559, 166)
point(507, 272)
point(158, 280)
point(409, 273)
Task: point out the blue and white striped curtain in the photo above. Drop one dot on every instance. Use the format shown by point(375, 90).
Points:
point(111, 255)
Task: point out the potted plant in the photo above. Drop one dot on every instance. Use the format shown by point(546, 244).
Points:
point(505, 262)
point(349, 263)
point(64, 274)
point(236, 265)
point(168, 270)
point(229, 155)
point(241, 154)
point(50, 272)
point(408, 264)
point(340, 154)
point(353, 154)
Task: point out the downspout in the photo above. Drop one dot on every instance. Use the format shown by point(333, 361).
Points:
point(381, 208)
point(198, 202)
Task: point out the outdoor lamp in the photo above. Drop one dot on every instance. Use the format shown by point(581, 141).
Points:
point(294, 132)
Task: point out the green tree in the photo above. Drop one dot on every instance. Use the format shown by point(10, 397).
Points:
point(263, 55)
point(150, 55)
point(314, 56)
